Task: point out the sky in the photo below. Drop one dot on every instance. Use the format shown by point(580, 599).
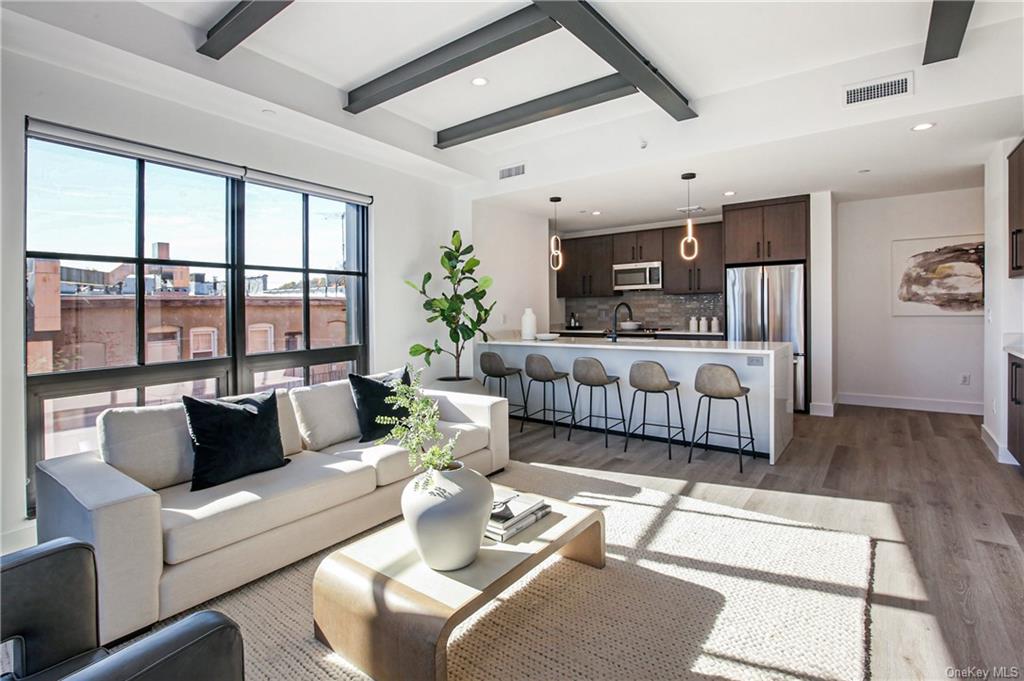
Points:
point(83, 202)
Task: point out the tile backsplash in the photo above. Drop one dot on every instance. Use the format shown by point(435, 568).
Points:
point(653, 308)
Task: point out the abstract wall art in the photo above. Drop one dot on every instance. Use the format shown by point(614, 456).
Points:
point(939, 276)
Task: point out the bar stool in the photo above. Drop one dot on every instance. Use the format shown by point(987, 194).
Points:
point(650, 377)
point(539, 369)
point(493, 366)
point(589, 372)
point(720, 382)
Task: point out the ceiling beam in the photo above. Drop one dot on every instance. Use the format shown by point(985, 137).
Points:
point(241, 22)
point(946, 29)
point(504, 34)
point(583, 21)
point(577, 97)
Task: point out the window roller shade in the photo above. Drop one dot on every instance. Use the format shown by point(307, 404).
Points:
point(54, 132)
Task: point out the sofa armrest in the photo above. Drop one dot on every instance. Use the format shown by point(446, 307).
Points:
point(483, 409)
point(206, 646)
point(82, 497)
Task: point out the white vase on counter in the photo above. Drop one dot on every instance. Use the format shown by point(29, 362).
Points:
point(528, 330)
point(703, 327)
point(715, 327)
point(694, 326)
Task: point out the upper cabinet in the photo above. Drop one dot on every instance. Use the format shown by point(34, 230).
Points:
point(642, 246)
point(703, 274)
point(586, 268)
point(1015, 249)
point(768, 231)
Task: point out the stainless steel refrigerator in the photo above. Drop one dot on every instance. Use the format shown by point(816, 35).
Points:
point(767, 303)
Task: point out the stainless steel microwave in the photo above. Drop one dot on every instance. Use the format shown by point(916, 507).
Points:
point(636, 276)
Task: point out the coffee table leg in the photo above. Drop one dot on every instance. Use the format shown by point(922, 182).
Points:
point(588, 546)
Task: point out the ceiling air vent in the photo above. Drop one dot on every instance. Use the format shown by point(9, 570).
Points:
point(511, 171)
point(879, 88)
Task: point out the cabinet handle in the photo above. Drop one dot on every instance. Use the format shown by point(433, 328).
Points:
point(641, 251)
point(632, 252)
point(590, 283)
point(769, 249)
point(698, 278)
point(758, 249)
point(583, 285)
point(1015, 249)
point(689, 274)
point(1015, 384)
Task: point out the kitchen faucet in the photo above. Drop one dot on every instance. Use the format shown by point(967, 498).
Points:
point(614, 335)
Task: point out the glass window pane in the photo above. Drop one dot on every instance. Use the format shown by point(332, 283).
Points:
point(79, 201)
point(273, 227)
point(186, 313)
point(205, 388)
point(334, 310)
point(334, 235)
point(273, 311)
point(335, 371)
point(186, 214)
point(79, 315)
point(278, 378)
point(69, 423)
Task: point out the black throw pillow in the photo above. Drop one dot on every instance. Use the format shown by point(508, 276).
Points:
point(369, 395)
point(233, 439)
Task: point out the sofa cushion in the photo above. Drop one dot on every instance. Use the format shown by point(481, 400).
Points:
point(392, 462)
point(152, 446)
point(195, 523)
point(371, 400)
point(326, 413)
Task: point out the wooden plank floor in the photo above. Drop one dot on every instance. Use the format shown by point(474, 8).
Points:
point(947, 519)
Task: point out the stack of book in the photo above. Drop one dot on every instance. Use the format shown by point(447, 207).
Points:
point(512, 513)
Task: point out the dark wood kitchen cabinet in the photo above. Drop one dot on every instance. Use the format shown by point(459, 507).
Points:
point(1015, 408)
point(766, 231)
point(642, 246)
point(586, 269)
point(703, 274)
point(1015, 246)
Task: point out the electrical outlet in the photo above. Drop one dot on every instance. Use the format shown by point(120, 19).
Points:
point(504, 319)
point(965, 379)
point(755, 361)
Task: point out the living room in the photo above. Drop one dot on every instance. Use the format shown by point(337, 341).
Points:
point(232, 232)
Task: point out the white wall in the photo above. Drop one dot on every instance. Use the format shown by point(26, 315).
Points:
point(1004, 300)
point(903, 362)
point(513, 248)
point(409, 219)
point(822, 304)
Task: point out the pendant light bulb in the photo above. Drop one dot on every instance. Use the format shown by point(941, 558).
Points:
point(555, 258)
point(688, 241)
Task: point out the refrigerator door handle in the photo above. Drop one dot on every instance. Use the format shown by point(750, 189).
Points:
point(766, 330)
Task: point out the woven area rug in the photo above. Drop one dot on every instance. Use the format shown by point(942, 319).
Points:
point(691, 590)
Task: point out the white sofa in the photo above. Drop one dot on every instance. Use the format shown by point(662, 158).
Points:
point(161, 549)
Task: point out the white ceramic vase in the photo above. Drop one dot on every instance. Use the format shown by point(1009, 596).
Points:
point(528, 327)
point(448, 516)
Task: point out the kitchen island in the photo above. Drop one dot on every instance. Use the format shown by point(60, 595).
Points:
point(765, 368)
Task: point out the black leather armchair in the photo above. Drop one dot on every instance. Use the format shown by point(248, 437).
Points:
point(49, 608)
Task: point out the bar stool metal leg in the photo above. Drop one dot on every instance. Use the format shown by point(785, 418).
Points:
point(526, 404)
point(696, 422)
point(629, 424)
point(750, 425)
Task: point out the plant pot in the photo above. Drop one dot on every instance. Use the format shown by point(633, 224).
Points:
point(463, 384)
point(447, 515)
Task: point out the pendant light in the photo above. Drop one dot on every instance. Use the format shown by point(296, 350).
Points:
point(689, 238)
point(555, 255)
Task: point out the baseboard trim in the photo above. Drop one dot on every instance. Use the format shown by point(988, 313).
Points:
point(823, 409)
point(912, 403)
point(1001, 454)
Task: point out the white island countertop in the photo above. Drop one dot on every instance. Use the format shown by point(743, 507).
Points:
point(654, 344)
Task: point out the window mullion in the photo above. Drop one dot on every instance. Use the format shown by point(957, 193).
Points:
point(306, 327)
point(140, 267)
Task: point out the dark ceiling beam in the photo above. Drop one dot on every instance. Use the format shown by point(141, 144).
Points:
point(241, 22)
point(577, 97)
point(946, 29)
point(583, 21)
point(504, 34)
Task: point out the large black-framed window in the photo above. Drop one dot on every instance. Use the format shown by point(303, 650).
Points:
point(147, 280)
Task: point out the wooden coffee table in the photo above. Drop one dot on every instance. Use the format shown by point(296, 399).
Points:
point(377, 605)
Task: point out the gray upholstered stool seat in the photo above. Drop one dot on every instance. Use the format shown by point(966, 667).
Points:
point(648, 377)
point(540, 370)
point(720, 382)
point(493, 366)
point(589, 372)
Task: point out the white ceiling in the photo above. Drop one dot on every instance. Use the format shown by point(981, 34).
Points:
point(949, 156)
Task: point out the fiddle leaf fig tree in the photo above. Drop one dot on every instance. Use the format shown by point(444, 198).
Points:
point(460, 305)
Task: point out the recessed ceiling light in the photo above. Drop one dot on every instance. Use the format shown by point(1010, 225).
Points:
point(864, 171)
point(922, 126)
point(479, 81)
point(729, 193)
point(596, 212)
